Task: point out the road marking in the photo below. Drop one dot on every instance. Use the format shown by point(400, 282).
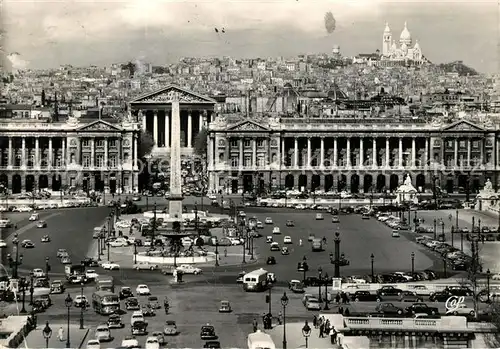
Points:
point(29, 226)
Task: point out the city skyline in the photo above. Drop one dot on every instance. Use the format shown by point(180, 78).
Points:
point(42, 34)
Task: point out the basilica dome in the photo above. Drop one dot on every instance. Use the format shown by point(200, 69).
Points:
point(405, 36)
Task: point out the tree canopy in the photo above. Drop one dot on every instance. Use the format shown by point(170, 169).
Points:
point(201, 143)
point(146, 144)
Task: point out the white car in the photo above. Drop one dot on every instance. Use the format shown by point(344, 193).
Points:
point(38, 273)
point(462, 310)
point(110, 266)
point(235, 241)
point(34, 217)
point(93, 344)
point(142, 290)
point(3, 243)
point(136, 316)
point(268, 220)
point(493, 277)
point(80, 300)
point(120, 242)
point(287, 240)
point(102, 333)
point(189, 269)
point(395, 234)
point(91, 274)
point(152, 343)
point(130, 342)
point(276, 230)
point(313, 304)
point(319, 216)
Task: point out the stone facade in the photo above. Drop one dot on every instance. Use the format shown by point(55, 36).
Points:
point(93, 155)
point(352, 154)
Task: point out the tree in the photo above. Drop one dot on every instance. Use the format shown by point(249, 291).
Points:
point(146, 144)
point(201, 143)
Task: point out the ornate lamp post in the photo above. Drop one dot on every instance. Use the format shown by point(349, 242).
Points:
point(372, 259)
point(284, 303)
point(326, 292)
point(82, 308)
point(14, 264)
point(32, 288)
point(336, 241)
point(305, 268)
point(69, 303)
point(23, 283)
point(196, 219)
point(242, 228)
point(47, 267)
point(47, 333)
point(320, 277)
point(488, 275)
point(306, 332)
point(413, 263)
point(435, 229)
point(216, 252)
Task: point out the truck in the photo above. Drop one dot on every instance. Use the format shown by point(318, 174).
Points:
point(77, 269)
point(317, 245)
point(105, 283)
point(256, 281)
point(260, 340)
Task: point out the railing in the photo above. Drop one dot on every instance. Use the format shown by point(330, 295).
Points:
point(453, 323)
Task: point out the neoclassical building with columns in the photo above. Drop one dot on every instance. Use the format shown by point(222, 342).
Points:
point(93, 155)
point(350, 154)
point(153, 110)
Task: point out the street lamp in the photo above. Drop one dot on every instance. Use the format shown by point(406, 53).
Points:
point(488, 275)
point(306, 332)
point(47, 333)
point(47, 267)
point(82, 306)
point(372, 259)
point(196, 219)
point(23, 284)
point(336, 241)
point(32, 288)
point(413, 263)
point(305, 268)
point(68, 302)
point(435, 229)
point(326, 292)
point(216, 252)
point(320, 270)
point(284, 303)
point(14, 264)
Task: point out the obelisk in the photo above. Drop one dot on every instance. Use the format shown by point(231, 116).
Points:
point(175, 204)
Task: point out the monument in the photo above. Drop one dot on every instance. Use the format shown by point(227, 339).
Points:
point(175, 203)
point(406, 192)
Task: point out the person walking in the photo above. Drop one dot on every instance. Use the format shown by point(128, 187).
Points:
point(280, 318)
point(255, 325)
point(315, 321)
point(60, 334)
point(321, 329)
point(333, 335)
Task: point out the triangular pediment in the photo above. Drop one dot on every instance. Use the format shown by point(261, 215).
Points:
point(248, 125)
point(168, 93)
point(463, 125)
point(99, 125)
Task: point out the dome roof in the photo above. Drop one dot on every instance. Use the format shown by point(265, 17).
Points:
point(387, 29)
point(405, 34)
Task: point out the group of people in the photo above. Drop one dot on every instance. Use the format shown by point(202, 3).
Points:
point(325, 328)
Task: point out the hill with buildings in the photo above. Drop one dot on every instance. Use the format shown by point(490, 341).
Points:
point(458, 67)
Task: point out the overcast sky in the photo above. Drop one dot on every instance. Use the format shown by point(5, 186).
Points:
point(50, 33)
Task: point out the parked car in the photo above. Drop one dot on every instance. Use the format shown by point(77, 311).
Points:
point(386, 291)
point(408, 296)
point(421, 308)
point(388, 308)
point(365, 296)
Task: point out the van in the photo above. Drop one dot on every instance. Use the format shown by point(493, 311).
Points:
point(317, 245)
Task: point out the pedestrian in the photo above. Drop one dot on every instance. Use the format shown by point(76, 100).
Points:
point(225, 252)
point(321, 329)
point(347, 312)
point(60, 334)
point(333, 335)
point(337, 298)
point(280, 318)
point(315, 321)
point(341, 310)
point(255, 325)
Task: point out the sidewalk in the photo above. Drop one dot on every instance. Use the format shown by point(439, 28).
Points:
point(35, 338)
point(295, 339)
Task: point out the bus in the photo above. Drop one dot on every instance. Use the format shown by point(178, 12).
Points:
point(255, 281)
point(104, 283)
point(105, 302)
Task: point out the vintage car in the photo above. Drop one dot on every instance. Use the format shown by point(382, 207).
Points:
point(208, 332)
point(225, 307)
point(284, 251)
point(45, 238)
point(153, 302)
point(170, 328)
point(148, 311)
point(290, 223)
point(132, 303)
point(296, 286)
point(115, 321)
point(159, 335)
point(139, 328)
point(125, 292)
point(57, 287)
point(239, 279)
point(41, 224)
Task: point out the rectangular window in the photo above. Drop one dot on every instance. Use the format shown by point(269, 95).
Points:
point(5, 158)
point(100, 142)
point(246, 143)
point(450, 144)
point(234, 142)
point(260, 143)
point(112, 143)
point(100, 160)
point(17, 160)
point(247, 161)
point(112, 161)
point(85, 143)
point(475, 144)
point(234, 161)
point(261, 161)
point(59, 160)
point(86, 160)
point(126, 158)
point(462, 144)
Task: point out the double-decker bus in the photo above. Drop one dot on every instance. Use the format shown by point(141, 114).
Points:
point(105, 302)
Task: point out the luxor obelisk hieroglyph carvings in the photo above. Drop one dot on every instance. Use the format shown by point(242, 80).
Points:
point(175, 204)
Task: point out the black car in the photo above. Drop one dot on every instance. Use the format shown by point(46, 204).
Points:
point(460, 291)
point(302, 266)
point(440, 296)
point(389, 291)
point(89, 262)
point(132, 304)
point(207, 333)
point(212, 344)
point(365, 296)
point(271, 260)
point(125, 293)
point(388, 308)
point(313, 281)
point(421, 308)
point(148, 311)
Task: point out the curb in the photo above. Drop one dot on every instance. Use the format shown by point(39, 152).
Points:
point(84, 337)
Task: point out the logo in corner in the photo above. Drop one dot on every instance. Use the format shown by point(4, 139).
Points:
point(453, 303)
